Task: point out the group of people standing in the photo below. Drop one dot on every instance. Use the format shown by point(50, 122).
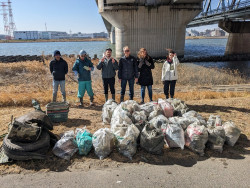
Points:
point(130, 69)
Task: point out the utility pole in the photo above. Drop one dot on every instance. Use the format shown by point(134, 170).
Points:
point(12, 25)
point(5, 19)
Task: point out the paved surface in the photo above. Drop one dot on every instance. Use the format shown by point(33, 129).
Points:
point(212, 172)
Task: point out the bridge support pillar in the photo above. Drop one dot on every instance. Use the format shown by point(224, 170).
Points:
point(112, 36)
point(153, 28)
point(239, 37)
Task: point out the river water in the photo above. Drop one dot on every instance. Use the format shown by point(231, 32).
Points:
point(193, 47)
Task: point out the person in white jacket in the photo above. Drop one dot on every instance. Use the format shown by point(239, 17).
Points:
point(170, 74)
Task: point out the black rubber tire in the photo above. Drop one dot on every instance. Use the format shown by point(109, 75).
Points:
point(42, 142)
point(23, 155)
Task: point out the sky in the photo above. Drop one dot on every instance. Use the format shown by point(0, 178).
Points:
point(61, 15)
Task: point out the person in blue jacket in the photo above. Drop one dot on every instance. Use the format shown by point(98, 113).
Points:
point(83, 67)
point(58, 68)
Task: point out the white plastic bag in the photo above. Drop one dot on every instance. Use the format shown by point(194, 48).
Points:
point(127, 140)
point(178, 105)
point(174, 136)
point(195, 117)
point(160, 122)
point(66, 147)
point(167, 108)
point(103, 142)
point(107, 111)
point(156, 112)
point(196, 136)
point(183, 121)
point(214, 121)
point(139, 119)
point(232, 133)
point(216, 137)
point(152, 139)
point(148, 107)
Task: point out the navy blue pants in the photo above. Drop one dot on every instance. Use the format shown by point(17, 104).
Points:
point(172, 84)
point(131, 83)
point(109, 83)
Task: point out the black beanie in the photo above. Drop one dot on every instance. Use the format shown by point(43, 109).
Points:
point(57, 53)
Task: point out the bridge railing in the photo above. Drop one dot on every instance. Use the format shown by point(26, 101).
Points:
point(241, 5)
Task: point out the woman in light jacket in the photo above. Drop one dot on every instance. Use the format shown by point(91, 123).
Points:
point(170, 74)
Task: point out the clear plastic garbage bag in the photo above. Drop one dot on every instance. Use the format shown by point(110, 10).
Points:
point(66, 147)
point(127, 140)
point(196, 136)
point(232, 133)
point(159, 122)
point(174, 136)
point(167, 108)
point(107, 111)
point(152, 139)
point(103, 142)
point(214, 121)
point(216, 137)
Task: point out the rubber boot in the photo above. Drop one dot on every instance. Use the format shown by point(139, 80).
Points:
point(54, 98)
point(91, 100)
point(106, 97)
point(64, 98)
point(81, 102)
point(113, 97)
point(122, 98)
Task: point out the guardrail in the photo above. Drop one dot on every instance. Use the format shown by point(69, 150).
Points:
point(232, 8)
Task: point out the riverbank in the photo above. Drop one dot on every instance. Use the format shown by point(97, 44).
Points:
point(189, 59)
point(203, 37)
point(55, 40)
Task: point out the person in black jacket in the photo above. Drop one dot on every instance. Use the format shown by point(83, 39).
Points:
point(58, 68)
point(109, 66)
point(128, 72)
point(145, 64)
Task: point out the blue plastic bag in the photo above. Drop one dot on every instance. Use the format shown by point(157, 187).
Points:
point(84, 142)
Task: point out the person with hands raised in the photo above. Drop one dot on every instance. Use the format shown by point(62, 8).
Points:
point(109, 66)
point(170, 73)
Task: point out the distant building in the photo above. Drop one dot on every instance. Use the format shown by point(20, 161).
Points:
point(218, 33)
point(100, 35)
point(3, 37)
point(47, 35)
point(26, 35)
point(194, 33)
point(187, 34)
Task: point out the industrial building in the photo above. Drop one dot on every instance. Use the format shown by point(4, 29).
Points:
point(47, 35)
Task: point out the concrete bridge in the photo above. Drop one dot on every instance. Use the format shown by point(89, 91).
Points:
point(152, 24)
point(160, 24)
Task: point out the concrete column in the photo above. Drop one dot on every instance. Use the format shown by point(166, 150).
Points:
point(119, 42)
point(152, 28)
point(239, 37)
point(112, 36)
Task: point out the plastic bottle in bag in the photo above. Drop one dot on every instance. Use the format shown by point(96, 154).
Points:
point(216, 137)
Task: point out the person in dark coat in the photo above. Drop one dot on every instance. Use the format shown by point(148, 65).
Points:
point(145, 65)
point(58, 68)
point(109, 66)
point(128, 73)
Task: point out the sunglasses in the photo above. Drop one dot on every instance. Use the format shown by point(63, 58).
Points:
point(127, 50)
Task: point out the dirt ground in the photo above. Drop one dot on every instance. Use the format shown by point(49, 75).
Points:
point(235, 109)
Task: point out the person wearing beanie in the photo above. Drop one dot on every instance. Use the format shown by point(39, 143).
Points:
point(58, 69)
point(83, 67)
point(109, 66)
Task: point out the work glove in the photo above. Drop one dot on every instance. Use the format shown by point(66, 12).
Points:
point(86, 68)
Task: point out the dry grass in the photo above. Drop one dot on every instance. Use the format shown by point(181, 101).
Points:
point(194, 75)
point(23, 81)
